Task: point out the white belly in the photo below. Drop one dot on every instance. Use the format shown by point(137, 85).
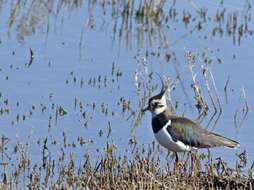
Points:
point(165, 139)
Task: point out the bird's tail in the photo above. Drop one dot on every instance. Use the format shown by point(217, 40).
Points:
point(224, 141)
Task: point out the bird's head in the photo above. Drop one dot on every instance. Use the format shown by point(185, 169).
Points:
point(158, 103)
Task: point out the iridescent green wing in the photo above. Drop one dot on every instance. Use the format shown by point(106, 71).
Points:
point(190, 133)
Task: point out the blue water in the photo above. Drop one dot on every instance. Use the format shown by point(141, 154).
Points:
point(71, 49)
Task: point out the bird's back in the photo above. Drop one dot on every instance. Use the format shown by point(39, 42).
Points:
point(190, 133)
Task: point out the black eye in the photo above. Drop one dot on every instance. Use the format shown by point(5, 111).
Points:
point(154, 105)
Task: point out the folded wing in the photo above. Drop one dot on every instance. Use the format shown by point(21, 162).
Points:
point(192, 134)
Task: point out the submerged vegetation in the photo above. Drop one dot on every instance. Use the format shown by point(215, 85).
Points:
point(83, 132)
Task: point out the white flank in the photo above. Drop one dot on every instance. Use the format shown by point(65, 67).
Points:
point(165, 140)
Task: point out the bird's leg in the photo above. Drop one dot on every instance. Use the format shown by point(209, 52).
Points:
point(193, 164)
point(176, 164)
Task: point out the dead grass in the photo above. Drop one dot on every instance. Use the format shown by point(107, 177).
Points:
point(145, 168)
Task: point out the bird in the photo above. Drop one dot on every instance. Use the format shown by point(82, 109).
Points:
point(180, 134)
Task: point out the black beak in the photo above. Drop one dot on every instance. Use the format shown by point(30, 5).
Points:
point(143, 110)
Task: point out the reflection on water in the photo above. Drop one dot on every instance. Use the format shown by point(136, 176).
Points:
point(77, 74)
point(29, 16)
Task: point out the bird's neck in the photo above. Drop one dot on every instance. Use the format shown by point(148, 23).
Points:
point(160, 120)
point(158, 111)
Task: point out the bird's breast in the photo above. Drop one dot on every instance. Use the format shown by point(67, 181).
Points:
point(165, 139)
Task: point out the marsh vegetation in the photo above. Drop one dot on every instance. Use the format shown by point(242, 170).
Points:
point(75, 75)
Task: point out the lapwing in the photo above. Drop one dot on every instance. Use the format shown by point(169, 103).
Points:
point(180, 134)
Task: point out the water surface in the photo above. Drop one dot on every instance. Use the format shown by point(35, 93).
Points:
point(87, 61)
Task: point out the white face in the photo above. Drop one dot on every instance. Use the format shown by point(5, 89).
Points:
point(157, 106)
